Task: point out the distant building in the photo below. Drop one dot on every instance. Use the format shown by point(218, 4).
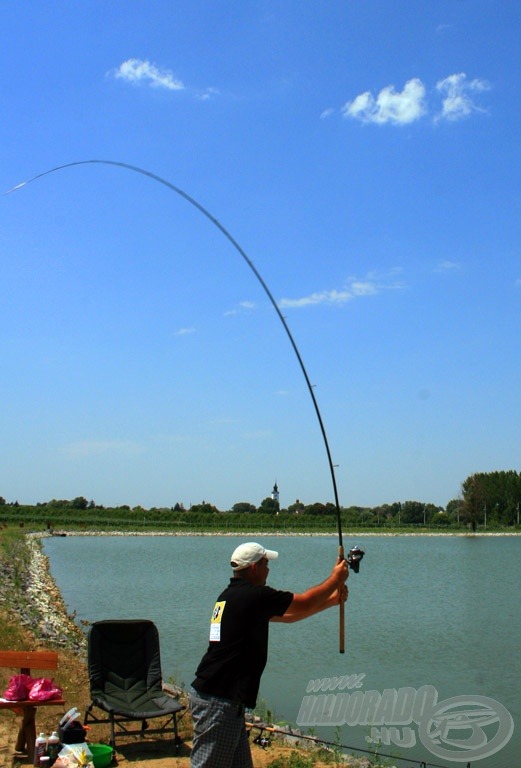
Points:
point(275, 493)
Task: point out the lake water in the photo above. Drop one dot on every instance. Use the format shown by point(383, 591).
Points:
point(433, 628)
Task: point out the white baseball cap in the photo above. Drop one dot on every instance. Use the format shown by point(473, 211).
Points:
point(249, 553)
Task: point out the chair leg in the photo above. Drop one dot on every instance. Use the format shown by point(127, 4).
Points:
point(112, 732)
point(177, 740)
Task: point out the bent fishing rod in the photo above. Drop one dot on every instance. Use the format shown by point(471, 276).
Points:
point(354, 562)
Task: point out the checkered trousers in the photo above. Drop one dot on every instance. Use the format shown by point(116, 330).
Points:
point(220, 736)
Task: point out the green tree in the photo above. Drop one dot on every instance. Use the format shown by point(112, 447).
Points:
point(494, 494)
point(389, 512)
point(474, 500)
point(297, 508)
point(244, 507)
point(80, 502)
point(204, 507)
point(454, 510)
point(412, 512)
point(269, 506)
point(320, 509)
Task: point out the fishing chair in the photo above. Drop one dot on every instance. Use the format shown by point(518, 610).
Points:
point(125, 679)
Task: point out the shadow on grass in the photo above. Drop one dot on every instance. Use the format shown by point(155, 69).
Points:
point(151, 749)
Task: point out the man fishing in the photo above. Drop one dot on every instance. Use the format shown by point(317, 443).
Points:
point(228, 676)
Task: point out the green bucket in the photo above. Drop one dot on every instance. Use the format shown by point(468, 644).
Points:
point(101, 755)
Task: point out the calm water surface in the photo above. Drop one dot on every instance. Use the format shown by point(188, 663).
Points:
point(423, 611)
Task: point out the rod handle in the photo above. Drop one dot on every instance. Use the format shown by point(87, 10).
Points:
point(341, 627)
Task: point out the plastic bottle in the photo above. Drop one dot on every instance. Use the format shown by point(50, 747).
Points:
point(40, 747)
point(53, 747)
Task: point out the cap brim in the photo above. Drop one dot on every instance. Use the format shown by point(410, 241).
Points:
point(270, 554)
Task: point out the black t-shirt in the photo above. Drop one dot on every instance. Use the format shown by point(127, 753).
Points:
point(238, 650)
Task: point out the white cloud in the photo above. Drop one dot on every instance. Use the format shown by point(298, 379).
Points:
point(363, 288)
point(208, 93)
point(327, 113)
point(243, 306)
point(184, 331)
point(458, 94)
point(412, 103)
point(354, 289)
point(141, 71)
point(390, 106)
point(323, 297)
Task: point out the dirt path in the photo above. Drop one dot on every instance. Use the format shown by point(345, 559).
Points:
point(139, 754)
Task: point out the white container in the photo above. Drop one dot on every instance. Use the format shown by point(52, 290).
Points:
point(53, 747)
point(40, 748)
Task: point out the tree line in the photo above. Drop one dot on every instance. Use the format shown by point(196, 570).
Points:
point(487, 500)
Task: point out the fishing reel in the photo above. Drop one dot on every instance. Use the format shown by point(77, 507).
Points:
point(354, 556)
point(262, 741)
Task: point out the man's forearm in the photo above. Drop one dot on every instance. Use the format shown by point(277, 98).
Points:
point(297, 615)
point(317, 598)
point(313, 600)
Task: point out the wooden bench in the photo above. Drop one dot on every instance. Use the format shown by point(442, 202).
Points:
point(26, 661)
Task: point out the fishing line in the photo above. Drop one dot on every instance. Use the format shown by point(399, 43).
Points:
point(334, 745)
point(268, 293)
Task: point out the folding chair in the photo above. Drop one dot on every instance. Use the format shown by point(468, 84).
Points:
point(125, 679)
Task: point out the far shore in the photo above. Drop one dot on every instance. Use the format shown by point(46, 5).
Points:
point(262, 534)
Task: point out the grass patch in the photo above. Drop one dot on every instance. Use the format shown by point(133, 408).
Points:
point(293, 760)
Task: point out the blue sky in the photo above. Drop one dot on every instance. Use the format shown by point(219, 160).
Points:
point(366, 157)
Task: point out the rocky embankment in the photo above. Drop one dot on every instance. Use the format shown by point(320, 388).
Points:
point(27, 590)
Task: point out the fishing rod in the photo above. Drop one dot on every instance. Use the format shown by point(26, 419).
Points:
point(265, 741)
point(276, 307)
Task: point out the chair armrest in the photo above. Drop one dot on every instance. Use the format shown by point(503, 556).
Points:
point(172, 690)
